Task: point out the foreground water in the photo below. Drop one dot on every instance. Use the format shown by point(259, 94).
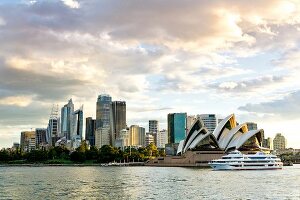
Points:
point(147, 183)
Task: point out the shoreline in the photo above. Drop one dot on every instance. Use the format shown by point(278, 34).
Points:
point(73, 165)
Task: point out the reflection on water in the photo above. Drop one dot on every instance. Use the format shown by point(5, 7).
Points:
point(147, 183)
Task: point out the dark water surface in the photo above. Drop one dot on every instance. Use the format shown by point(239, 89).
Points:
point(147, 183)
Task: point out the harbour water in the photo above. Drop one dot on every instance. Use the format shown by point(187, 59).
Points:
point(147, 183)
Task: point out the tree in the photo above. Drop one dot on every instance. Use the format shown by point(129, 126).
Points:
point(152, 150)
point(77, 156)
point(107, 154)
point(4, 155)
point(36, 155)
point(92, 153)
point(83, 147)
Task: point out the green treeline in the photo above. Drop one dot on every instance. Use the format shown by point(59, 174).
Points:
point(61, 155)
point(290, 157)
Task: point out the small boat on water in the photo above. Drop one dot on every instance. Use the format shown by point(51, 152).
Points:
point(235, 160)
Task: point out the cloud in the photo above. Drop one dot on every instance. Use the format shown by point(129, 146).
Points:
point(286, 107)
point(136, 51)
point(33, 115)
point(149, 109)
point(2, 22)
point(71, 3)
point(249, 84)
point(21, 101)
point(42, 87)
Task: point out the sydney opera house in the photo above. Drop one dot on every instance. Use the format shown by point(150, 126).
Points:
point(200, 146)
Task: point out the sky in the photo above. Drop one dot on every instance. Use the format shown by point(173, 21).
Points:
point(206, 56)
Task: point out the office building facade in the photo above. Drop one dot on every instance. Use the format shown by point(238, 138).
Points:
point(153, 126)
point(149, 139)
point(123, 140)
point(162, 139)
point(27, 141)
point(209, 120)
point(78, 125)
point(102, 137)
point(279, 142)
point(40, 137)
point(137, 136)
point(67, 120)
point(90, 129)
point(103, 109)
point(176, 127)
point(118, 118)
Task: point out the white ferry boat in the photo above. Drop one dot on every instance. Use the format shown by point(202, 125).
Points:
point(235, 160)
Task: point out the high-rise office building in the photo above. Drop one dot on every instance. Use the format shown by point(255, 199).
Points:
point(67, 120)
point(149, 139)
point(27, 141)
point(176, 127)
point(123, 140)
point(53, 128)
point(153, 130)
point(103, 109)
point(40, 137)
point(162, 139)
point(279, 142)
point(78, 125)
point(53, 131)
point(90, 129)
point(118, 118)
point(137, 135)
point(153, 126)
point(209, 120)
point(251, 126)
point(102, 137)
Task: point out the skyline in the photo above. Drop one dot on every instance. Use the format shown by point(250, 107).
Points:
point(160, 57)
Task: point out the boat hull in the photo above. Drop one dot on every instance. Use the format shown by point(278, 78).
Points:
point(216, 166)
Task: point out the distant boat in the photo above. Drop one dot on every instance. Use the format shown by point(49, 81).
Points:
point(235, 160)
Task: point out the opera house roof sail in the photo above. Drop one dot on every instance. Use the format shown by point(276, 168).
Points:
point(227, 136)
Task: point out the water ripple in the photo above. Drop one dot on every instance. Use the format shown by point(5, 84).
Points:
point(146, 183)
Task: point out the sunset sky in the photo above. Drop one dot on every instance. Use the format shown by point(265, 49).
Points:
point(208, 56)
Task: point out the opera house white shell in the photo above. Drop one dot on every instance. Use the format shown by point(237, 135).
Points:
point(227, 136)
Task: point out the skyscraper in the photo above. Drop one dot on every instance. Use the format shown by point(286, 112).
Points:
point(209, 120)
point(102, 136)
point(149, 139)
point(153, 130)
point(118, 118)
point(123, 140)
point(153, 126)
point(103, 107)
point(176, 127)
point(27, 140)
point(40, 137)
point(67, 120)
point(162, 139)
point(90, 128)
point(279, 142)
point(78, 125)
point(53, 129)
point(137, 135)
